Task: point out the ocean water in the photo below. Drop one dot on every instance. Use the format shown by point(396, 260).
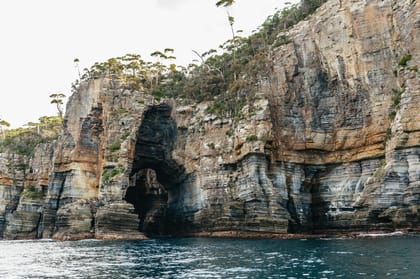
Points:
point(213, 258)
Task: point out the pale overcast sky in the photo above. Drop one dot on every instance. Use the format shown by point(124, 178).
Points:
point(40, 39)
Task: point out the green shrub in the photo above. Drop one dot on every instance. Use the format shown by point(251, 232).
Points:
point(251, 138)
point(33, 193)
point(158, 93)
point(115, 146)
point(125, 135)
point(108, 174)
point(388, 135)
point(396, 101)
point(379, 171)
point(404, 60)
point(392, 114)
point(414, 69)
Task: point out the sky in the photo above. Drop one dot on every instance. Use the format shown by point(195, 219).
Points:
point(40, 39)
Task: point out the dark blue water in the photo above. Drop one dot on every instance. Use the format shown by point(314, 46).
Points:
point(213, 258)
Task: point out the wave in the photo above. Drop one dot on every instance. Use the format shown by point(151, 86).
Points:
point(397, 233)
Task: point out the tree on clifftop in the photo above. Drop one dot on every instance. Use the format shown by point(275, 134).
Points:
point(225, 3)
point(57, 99)
point(234, 41)
point(76, 65)
point(3, 124)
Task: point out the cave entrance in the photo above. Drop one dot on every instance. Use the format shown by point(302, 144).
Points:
point(154, 174)
point(150, 200)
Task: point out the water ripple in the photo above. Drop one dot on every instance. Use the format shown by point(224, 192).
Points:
point(211, 258)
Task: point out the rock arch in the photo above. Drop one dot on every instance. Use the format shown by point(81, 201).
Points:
point(154, 173)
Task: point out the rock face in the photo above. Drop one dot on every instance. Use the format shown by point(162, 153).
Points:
point(325, 148)
point(23, 187)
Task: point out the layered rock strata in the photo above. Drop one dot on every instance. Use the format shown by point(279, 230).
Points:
point(324, 148)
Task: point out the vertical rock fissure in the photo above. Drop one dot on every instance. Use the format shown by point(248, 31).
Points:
point(38, 226)
point(49, 210)
point(60, 193)
point(155, 174)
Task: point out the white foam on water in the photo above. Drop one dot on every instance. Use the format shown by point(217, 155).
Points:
point(342, 252)
point(327, 272)
point(397, 233)
point(242, 269)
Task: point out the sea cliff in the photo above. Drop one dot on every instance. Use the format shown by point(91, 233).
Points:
point(331, 143)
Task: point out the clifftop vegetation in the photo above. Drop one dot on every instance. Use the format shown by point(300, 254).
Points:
point(24, 140)
point(227, 77)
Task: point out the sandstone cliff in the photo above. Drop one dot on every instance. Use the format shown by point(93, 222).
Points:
point(332, 143)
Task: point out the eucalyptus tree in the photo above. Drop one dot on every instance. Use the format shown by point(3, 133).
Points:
point(133, 63)
point(3, 125)
point(33, 126)
point(57, 99)
point(225, 3)
point(159, 68)
point(76, 65)
point(233, 41)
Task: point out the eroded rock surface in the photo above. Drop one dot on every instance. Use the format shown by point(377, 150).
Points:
point(324, 147)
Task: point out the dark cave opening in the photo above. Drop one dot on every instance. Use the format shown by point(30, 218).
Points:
point(150, 199)
point(155, 174)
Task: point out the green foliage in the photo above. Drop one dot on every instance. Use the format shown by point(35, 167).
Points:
point(404, 60)
point(227, 78)
point(414, 69)
point(392, 114)
point(50, 126)
point(225, 3)
point(211, 145)
point(108, 174)
point(57, 99)
point(24, 140)
point(379, 171)
point(33, 193)
point(388, 135)
point(112, 157)
point(251, 138)
point(396, 100)
point(125, 136)
point(229, 133)
point(158, 93)
point(4, 123)
point(131, 70)
point(115, 146)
